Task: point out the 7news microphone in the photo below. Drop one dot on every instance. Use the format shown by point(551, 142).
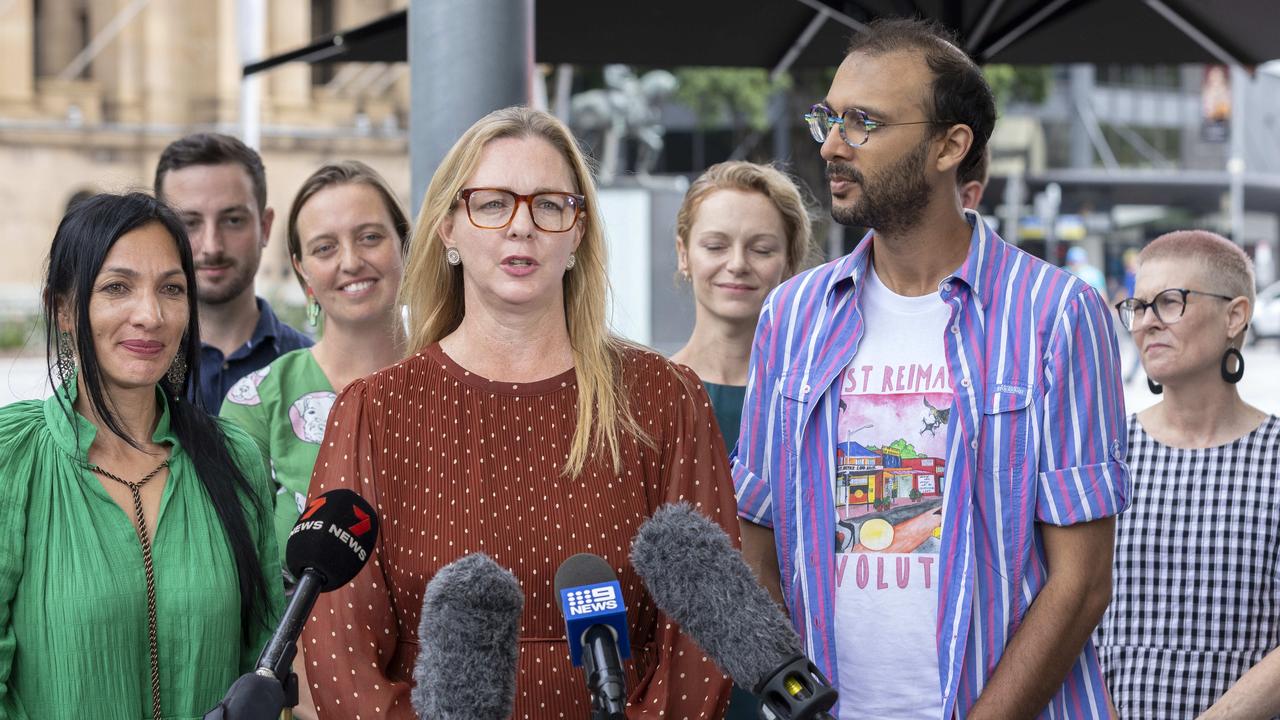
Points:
point(698, 578)
point(596, 628)
point(327, 548)
point(469, 637)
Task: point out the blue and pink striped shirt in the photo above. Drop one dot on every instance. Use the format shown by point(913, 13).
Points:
point(1036, 435)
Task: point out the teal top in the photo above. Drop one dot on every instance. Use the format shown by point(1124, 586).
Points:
point(727, 401)
point(284, 407)
point(73, 598)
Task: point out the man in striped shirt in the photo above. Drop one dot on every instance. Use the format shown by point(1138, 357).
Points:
point(932, 446)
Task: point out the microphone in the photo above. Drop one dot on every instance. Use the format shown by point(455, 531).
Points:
point(326, 549)
point(470, 629)
point(698, 578)
point(596, 626)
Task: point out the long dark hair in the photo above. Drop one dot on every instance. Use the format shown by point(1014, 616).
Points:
point(80, 247)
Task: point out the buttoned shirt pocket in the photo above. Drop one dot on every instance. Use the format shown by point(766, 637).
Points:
point(1006, 423)
point(794, 396)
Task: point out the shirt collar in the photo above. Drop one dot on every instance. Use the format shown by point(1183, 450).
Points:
point(73, 432)
point(986, 257)
point(976, 270)
point(267, 329)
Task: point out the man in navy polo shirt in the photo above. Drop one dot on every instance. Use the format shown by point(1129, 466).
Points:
point(218, 186)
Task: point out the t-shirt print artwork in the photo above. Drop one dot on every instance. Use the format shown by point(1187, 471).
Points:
point(890, 467)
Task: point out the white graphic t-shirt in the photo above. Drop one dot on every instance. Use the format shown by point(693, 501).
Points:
point(895, 399)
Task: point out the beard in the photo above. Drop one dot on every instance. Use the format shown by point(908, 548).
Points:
point(892, 201)
point(239, 278)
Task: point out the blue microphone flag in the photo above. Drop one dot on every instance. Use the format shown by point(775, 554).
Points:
point(585, 606)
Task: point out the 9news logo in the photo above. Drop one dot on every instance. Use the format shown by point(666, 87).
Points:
point(592, 600)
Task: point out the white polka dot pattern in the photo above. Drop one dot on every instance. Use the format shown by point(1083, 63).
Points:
point(454, 464)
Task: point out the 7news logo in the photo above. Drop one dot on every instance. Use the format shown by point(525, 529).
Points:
point(592, 600)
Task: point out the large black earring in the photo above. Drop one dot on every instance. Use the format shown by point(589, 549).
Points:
point(1155, 387)
point(1229, 376)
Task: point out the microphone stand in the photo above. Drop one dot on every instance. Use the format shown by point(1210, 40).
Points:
point(605, 676)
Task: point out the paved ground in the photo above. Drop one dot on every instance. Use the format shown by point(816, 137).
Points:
point(24, 377)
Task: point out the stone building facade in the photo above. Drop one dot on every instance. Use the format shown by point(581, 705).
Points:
point(75, 121)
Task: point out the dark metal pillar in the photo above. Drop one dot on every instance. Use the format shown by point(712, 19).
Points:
point(466, 59)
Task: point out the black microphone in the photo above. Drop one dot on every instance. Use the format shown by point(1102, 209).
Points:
point(596, 627)
point(698, 578)
point(469, 634)
point(327, 547)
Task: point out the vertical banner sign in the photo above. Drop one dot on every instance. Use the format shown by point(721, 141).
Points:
point(1215, 104)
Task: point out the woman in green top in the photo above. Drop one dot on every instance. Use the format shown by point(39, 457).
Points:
point(346, 234)
point(137, 534)
point(742, 229)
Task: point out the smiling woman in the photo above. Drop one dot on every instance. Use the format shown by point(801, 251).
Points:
point(141, 524)
point(347, 234)
point(742, 229)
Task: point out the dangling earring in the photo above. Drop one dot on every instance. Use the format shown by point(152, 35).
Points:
point(573, 260)
point(1155, 387)
point(66, 361)
point(453, 256)
point(177, 373)
point(313, 309)
point(1232, 377)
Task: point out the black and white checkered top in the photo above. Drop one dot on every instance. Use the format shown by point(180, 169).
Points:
point(1197, 573)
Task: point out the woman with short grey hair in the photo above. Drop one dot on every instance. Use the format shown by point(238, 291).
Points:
point(1192, 630)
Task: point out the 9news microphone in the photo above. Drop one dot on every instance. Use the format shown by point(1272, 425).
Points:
point(327, 548)
point(469, 635)
point(698, 578)
point(596, 627)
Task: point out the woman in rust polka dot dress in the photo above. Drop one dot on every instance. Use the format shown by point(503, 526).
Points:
point(520, 428)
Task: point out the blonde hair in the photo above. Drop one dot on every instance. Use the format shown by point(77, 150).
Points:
point(433, 293)
point(1224, 262)
point(345, 172)
point(767, 180)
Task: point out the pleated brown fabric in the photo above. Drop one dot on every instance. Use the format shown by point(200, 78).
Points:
point(455, 464)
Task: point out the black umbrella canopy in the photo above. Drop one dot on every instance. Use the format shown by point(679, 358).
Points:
point(657, 33)
point(759, 33)
point(814, 33)
point(1099, 31)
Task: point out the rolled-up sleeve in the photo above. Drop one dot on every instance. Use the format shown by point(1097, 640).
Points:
point(1082, 473)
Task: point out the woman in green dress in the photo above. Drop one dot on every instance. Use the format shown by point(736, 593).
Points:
point(133, 581)
point(346, 234)
point(742, 229)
